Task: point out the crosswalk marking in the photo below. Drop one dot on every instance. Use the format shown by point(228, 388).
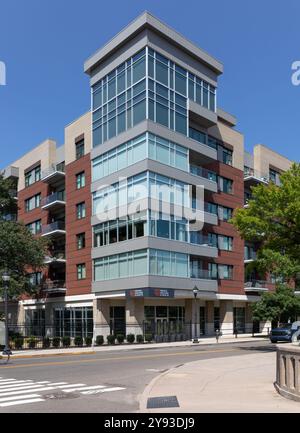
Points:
point(17, 397)
point(15, 392)
point(14, 403)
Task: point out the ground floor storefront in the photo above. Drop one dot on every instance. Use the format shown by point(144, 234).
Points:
point(159, 318)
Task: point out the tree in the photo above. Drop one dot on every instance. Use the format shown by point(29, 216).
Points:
point(20, 250)
point(280, 306)
point(272, 219)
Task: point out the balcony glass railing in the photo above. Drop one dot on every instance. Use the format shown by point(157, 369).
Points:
point(56, 255)
point(51, 285)
point(57, 196)
point(59, 168)
point(203, 172)
point(203, 274)
point(250, 172)
point(58, 225)
point(200, 239)
point(256, 283)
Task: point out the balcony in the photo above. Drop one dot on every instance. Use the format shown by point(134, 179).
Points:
point(253, 177)
point(256, 286)
point(203, 172)
point(249, 256)
point(203, 274)
point(56, 286)
point(55, 201)
point(54, 174)
point(57, 228)
point(55, 257)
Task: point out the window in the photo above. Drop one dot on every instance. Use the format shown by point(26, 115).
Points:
point(80, 239)
point(216, 318)
point(35, 279)
point(226, 156)
point(225, 185)
point(81, 272)
point(80, 210)
point(35, 227)
point(79, 148)
point(73, 322)
point(123, 265)
point(225, 213)
point(80, 180)
point(274, 176)
point(33, 176)
point(225, 272)
point(33, 202)
point(225, 242)
point(239, 320)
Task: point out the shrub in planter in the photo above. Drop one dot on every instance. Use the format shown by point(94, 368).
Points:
point(78, 341)
point(46, 343)
point(19, 342)
point(31, 343)
point(120, 338)
point(66, 341)
point(148, 338)
point(99, 340)
point(88, 341)
point(140, 338)
point(111, 339)
point(130, 338)
point(56, 342)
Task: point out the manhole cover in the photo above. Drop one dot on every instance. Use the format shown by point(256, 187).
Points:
point(61, 396)
point(161, 402)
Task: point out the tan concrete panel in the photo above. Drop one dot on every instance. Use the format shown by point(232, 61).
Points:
point(265, 157)
point(80, 126)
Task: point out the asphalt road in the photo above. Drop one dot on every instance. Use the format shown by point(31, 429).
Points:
point(109, 382)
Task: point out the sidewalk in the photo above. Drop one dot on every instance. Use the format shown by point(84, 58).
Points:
point(148, 346)
point(233, 384)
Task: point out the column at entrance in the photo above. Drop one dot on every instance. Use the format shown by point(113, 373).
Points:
point(134, 316)
point(226, 318)
point(101, 317)
point(210, 327)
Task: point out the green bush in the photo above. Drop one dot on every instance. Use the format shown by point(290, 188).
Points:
point(130, 338)
point(88, 341)
point(99, 340)
point(120, 338)
point(19, 342)
point(140, 338)
point(32, 342)
point(46, 343)
point(56, 342)
point(78, 341)
point(66, 341)
point(148, 338)
point(111, 339)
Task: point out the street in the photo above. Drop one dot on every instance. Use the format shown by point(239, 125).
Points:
point(103, 382)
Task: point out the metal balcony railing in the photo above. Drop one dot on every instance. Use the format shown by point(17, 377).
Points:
point(57, 196)
point(55, 255)
point(256, 283)
point(250, 172)
point(200, 239)
point(58, 225)
point(53, 285)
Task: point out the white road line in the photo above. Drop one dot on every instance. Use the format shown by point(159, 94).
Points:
point(85, 388)
point(15, 403)
point(17, 382)
point(44, 381)
point(19, 388)
point(76, 385)
point(56, 384)
point(101, 391)
point(49, 388)
point(17, 397)
point(7, 380)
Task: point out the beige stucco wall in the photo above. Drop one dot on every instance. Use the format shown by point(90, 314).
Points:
point(264, 158)
point(80, 126)
point(44, 152)
point(229, 135)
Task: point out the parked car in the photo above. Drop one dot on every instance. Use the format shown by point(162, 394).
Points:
point(284, 332)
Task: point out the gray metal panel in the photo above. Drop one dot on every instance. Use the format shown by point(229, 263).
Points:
point(202, 115)
point(149, 21)
point(155, 243)
point(157, 129)
point(229, 118)
point(154, 281)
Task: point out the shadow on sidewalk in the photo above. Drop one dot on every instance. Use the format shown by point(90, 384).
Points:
point(264, 349)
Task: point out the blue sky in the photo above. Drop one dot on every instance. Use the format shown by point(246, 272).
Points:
point(45, 43)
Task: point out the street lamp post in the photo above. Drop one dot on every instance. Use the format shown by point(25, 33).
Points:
point(6, 279)
point(195, 291)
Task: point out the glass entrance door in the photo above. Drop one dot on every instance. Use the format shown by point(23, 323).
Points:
point(161, 327)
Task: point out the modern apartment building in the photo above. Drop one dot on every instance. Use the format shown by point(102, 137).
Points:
point(137, 201)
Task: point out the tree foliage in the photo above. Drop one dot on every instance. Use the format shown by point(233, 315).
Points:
point(20, 251)
point(280, 306)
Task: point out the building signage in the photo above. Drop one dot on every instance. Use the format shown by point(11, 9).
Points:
point(150, 293)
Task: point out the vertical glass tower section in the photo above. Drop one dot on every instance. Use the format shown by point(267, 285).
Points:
point(146, 86)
